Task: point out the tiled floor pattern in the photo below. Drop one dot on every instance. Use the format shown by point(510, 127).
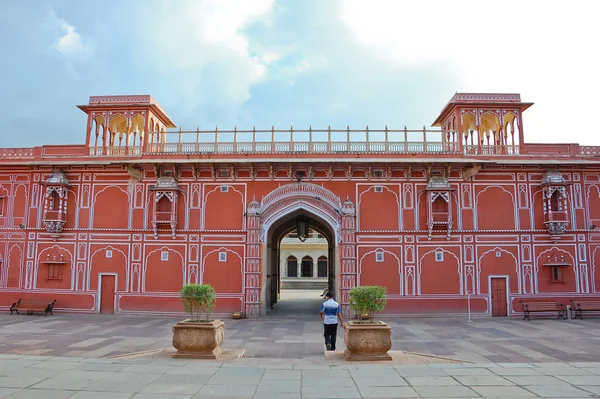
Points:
point(87, 378)
point(293, 330)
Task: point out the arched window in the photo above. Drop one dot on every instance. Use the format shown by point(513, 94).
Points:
point(307, 267)
point(292, 266)
point(322, 266)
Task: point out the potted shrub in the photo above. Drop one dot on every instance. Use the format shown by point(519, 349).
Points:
point(198, 337)
point(366, 338)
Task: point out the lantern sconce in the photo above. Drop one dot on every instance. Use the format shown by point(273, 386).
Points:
point(302, 228)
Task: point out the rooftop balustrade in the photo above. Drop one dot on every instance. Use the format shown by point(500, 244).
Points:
point(311, 141)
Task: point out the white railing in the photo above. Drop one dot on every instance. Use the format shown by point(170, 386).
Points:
point(299, 141)
point(116, 151)
point(16, 153)
point(491, 149)
point(589, 150)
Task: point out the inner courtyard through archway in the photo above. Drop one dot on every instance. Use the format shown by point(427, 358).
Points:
point(301, 268)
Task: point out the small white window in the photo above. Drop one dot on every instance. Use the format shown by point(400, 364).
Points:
point(109, 253)
point(439, 256)
point(378, 189)
point(378, 256)
point(222, 256)
point(378, 173)
point(436, 173)
point(1, 205)
point(223, 173)
point(164, 255)
point(498, 254)
point(224, 189)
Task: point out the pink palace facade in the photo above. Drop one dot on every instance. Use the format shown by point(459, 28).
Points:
point(119, 223)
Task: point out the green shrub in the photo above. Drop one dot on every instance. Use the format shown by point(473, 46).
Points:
point(197, 299)
point(367, 301)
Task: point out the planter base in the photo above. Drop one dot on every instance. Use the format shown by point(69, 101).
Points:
point(197, 340)
point(357, 357)
point(198, 355)
point(367, 341)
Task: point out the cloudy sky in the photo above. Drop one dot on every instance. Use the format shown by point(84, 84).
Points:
point(297, 62)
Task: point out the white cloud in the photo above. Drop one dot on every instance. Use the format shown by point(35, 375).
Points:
point(544, 50)
point(196, 35)
point(70, 44)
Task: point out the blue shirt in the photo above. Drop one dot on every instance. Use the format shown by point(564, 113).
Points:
point(330, 310)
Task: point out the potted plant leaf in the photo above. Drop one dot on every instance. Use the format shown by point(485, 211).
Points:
point(198, 337)
point(366, 338)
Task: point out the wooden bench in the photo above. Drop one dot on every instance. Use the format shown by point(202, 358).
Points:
point(542, 306)
point(584, 305)
point(31, 305)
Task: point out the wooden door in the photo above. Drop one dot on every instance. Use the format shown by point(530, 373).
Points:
point(499, 301)
point(107, 294)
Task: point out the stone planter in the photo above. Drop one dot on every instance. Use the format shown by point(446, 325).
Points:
point(367, 341)
point(198, 340)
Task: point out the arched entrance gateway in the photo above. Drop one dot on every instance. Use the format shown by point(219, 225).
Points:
point(276, 215)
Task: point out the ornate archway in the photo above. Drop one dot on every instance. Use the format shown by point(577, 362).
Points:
point(283, 201)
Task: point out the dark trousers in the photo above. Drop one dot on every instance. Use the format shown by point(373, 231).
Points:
point(330, 334)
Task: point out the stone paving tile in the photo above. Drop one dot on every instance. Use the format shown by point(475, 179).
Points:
point(286, 386)
point(53, 365)
point(331, 392)
point(503, 392)
point(387, 392)
point(194, 370)
point(560, 391)
point(517, 371)
point(150, 368)
point(132, 377)
point(564, 371)
point(328, 382)
point(458, 391)
point(100, 367)
point(433, 381)
point(117, 386)
point(19, 382)
point(468, 371)
point(535, 380)
point(580, 380)
point(172, 389)
point(475, 380)
point(29, 372)
point(276, 395)
point(374, 372)
point(41, 393)
point(238, 391)
point(101, 395)
point(84, 375)
point(380, 382)
point(4, 392)
point(160, 396)
point(282, 374)
point(420, 372)
point(218, 379)
point(311, 374)
point(595, 389)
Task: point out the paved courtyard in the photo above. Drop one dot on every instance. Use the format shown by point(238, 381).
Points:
point(88, 378)
point(97, 356)
point(293, 330)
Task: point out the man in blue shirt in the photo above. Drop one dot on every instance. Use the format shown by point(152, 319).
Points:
point(331, 313)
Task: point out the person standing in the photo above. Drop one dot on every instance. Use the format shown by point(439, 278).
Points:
point(331, 313)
